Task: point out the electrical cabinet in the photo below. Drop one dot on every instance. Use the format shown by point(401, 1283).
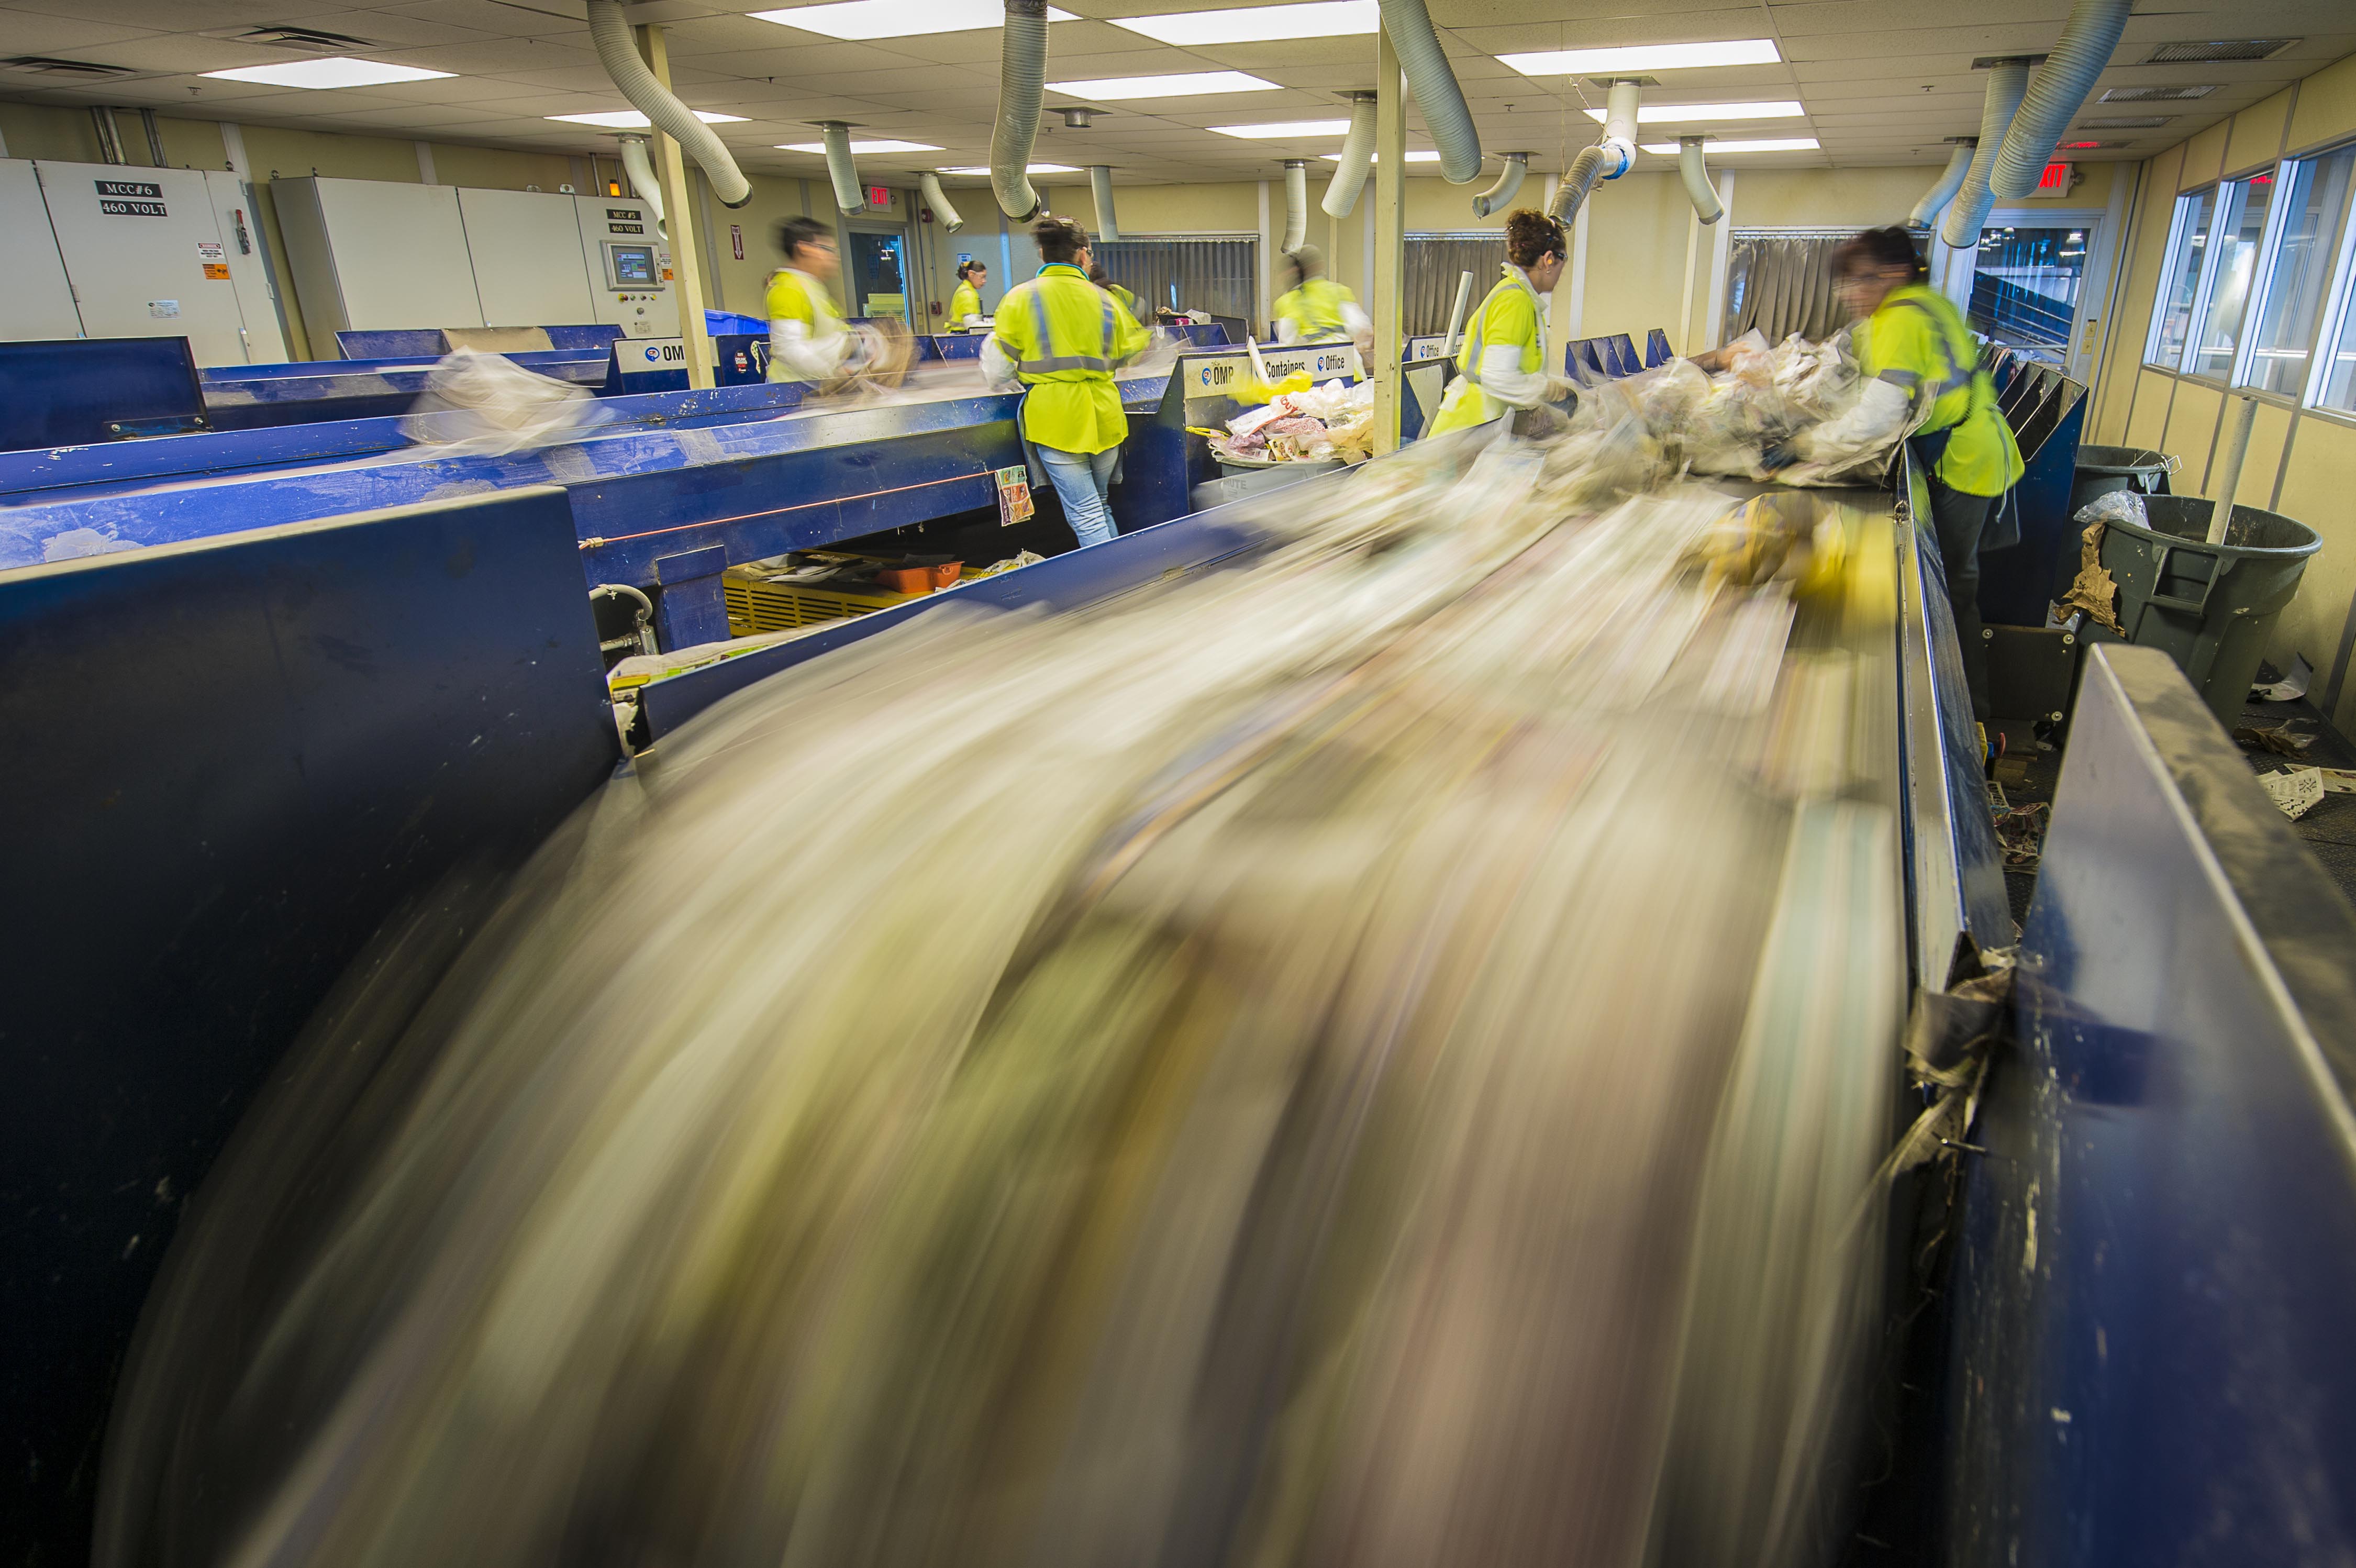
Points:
point(526, 248)
point(145, 253)
point(629, 265)
point(38, 302)
point(376, 254)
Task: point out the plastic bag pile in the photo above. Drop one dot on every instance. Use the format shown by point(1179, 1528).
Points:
point(1311, 423)
point(1376, 1052)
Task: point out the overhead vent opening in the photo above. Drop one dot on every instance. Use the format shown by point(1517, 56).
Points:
point(308, 40)
point(2129, 123)
point(2154, 94)
point(2213, 51)
point(42, 65)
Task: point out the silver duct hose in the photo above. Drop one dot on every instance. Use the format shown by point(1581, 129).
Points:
point(641, 170)
point(1101, 187)
point(1607, 159)
point(1296, 205)
point(2008, 79)
point(1509, 180)
point(1357, 157)
point(616, 51)
point(1706, 205)
point(839, 168)
point(2062, 85)
point(1433, 82)
point(929, 184)
point(1943, 190)
point(1022, 86)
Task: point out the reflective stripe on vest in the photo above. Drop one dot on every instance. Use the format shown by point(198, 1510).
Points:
point(1475, 345)
point(1047, 339)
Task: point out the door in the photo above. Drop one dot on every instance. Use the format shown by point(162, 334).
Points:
point(39, 303)
point(145, 254)
point(526, 245)
point(249, 268)
point(878, 269)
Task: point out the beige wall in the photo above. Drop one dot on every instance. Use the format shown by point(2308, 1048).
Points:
point(2299, 462)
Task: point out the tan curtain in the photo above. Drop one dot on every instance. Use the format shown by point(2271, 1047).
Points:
point(1780, 282)
point(1434, 264)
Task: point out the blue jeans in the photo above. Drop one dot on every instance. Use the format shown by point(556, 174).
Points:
point(1081, 480)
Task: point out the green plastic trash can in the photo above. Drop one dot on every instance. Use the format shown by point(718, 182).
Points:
point(2100, 469)
point(2210, 607)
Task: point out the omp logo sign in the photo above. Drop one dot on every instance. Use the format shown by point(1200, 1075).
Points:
point(665, 351)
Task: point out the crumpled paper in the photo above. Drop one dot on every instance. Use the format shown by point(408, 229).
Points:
point(2093, 590)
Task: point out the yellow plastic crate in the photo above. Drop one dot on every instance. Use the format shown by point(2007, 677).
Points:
point(756, 605)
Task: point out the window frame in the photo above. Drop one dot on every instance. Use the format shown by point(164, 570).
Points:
point(2339, 301)
point(2262, 285)
point(2180, 216)
point(2211, 270)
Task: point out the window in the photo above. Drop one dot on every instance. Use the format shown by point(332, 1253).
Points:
point(2298, 272)
point(2335, 379)
point(2025, 284)
point(2179, 285)
point(2231, 262)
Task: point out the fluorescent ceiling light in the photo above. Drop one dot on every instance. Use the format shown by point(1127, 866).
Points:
point(1667, 114)
point(1644, 57)
point(896, 19)
point(1185, 84)
point(631, 120)
point(1288, 129)
point(1261, 24)
point(1027, 168)
point(1413, 157)
point(1771, 145)
point(335, 70)
point(861, 147)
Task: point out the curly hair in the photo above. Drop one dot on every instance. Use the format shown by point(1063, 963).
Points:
point(1891, 247)
point(1059, 238)
point(1530, 235)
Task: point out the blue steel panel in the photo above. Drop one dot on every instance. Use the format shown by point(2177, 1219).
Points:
point(239, 757)
point(47, 474)
point(2151, 1301)
point(67, 392)
point(2018, 584)
point(369, 343)
point(1060, 583)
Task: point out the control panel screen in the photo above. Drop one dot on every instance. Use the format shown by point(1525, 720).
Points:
point(632, 267)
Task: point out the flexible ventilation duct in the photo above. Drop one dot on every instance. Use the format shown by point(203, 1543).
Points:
point(1706, 205)
point(938, 200)
point(1608, 159)
point(1357, 157)
point(1101, 186)
point(1296, 204)
point(1509, 180)
point(1437, 96)
point(619, 56)
point(2008, 79)
point(1943, 190)
point(2062, 85)
point(839, 168)
point(641, 170)
point(1022, 87)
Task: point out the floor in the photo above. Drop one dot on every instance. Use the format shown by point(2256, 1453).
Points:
point(2027, 772)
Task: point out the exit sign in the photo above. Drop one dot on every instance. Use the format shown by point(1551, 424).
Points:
point(2055, 177)
point(879, 196)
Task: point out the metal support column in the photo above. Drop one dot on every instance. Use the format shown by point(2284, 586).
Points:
point(686, 270)
point(1390, 242)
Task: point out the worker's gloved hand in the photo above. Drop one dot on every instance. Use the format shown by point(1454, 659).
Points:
point(1778, 456)
point(1562, 388)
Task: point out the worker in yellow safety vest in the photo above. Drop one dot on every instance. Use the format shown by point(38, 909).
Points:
point(965, 301)
point(1127, 300)
point(1061, 336)
point(1916, 352)
point(1502, 366)
point(1316, 309)
point(809, 340)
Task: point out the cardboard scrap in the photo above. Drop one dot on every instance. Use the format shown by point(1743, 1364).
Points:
point(2095, 590)
point(2295, 791)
